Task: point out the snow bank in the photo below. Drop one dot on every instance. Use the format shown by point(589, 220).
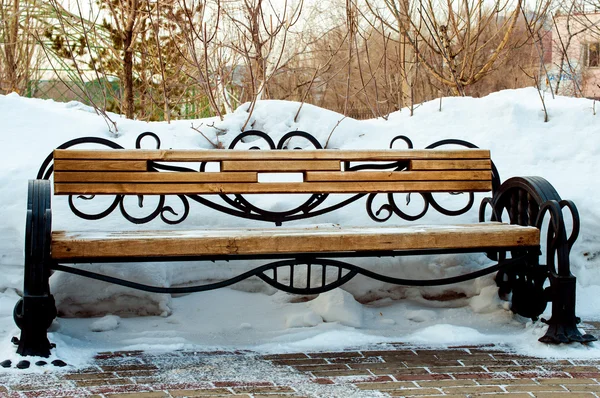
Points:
point(510, 123)
point(338, 306)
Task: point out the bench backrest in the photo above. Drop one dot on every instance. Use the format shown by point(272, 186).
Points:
point(320, 171)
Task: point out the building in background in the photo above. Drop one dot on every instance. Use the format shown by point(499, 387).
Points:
point(575, 69)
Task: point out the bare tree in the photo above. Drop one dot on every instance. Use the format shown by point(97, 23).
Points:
point(260, 34)
point(19, 57)
point(458, 42)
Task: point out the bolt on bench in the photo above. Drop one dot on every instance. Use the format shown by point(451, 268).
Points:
point(523, 203)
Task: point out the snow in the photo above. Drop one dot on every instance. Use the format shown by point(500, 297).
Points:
point(251, 314)
point(106, 323)
point(338, 306)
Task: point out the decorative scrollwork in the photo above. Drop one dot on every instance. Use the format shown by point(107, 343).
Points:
point(282, 275)
point(161, 209)
point(240, 206)
point(428, 199)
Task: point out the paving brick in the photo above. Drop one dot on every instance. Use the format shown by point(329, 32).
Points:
point(237, 383)
point(457, 369)
point(438, 395)
point(514, 368)
point(395, 357)
point(594, 375)
point(300, 362)
point(137, 373)
point(322, 381)
point(128, 388)
point(487, 362)
point(115, 368)
point(274, 396)
point(102, 382)
point(584, 362)
point(340, 354)
point(567, 381)
point(573, 368)
point(469, 376)
point(199, 392)
point(356, 360)
point(40, 386)
point(107, 355)
point(464, 355)
point(362, 379)
point(564, 395)
point(150, 394)
point(148, 380)
point(446, 383)
point(347, 372)
point(542, 362)
point(378, 365)
point(264, 390)
point(394, 385)
point(523, 388)
point(472, 390)
point(445, 396)
point(182, 386)
point(506, 382)
point(417, 362)
point(432, 351)
point(413, 392)
point(439, 376)
point(324, 368)
point(89, 376)
point(285, 356)
point(582, 388)
point(398, 371)
point(483, 350)
point(529, 375)
point(78, 392)
point(374, 353)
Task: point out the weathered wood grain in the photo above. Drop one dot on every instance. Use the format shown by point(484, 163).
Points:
point(267, 187)
point(288, 240)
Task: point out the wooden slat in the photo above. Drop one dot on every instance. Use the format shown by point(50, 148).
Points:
point(398, 176)
point(100, 165)
point(183, 155)
point(284, 187)
point(450, 165)
point(280, 165)
point(288, 240)
point(156, 177)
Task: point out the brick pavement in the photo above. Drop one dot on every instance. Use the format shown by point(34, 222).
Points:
point(394, 370)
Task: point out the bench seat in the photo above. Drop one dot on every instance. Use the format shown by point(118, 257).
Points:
point(320, 239)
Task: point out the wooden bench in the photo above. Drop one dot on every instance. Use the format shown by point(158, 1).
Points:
point(315, 253)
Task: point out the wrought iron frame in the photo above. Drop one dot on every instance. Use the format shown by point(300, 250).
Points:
point(526, 201)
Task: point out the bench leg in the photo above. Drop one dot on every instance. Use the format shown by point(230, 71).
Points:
point(35, 312)
point(562, 326)
point(34, 316)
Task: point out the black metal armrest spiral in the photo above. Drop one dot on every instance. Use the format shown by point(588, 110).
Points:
point(529, 201)
point(34, 313)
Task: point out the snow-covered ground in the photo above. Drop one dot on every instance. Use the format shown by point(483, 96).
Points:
point(252, 315)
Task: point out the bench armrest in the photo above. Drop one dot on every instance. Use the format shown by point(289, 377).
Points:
point(34, 313)
point(529, 201)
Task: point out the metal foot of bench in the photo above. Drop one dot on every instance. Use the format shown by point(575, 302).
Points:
point(34, 315)
point(562, 326)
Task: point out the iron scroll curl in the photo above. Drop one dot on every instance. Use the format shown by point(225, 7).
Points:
point(240, 206)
